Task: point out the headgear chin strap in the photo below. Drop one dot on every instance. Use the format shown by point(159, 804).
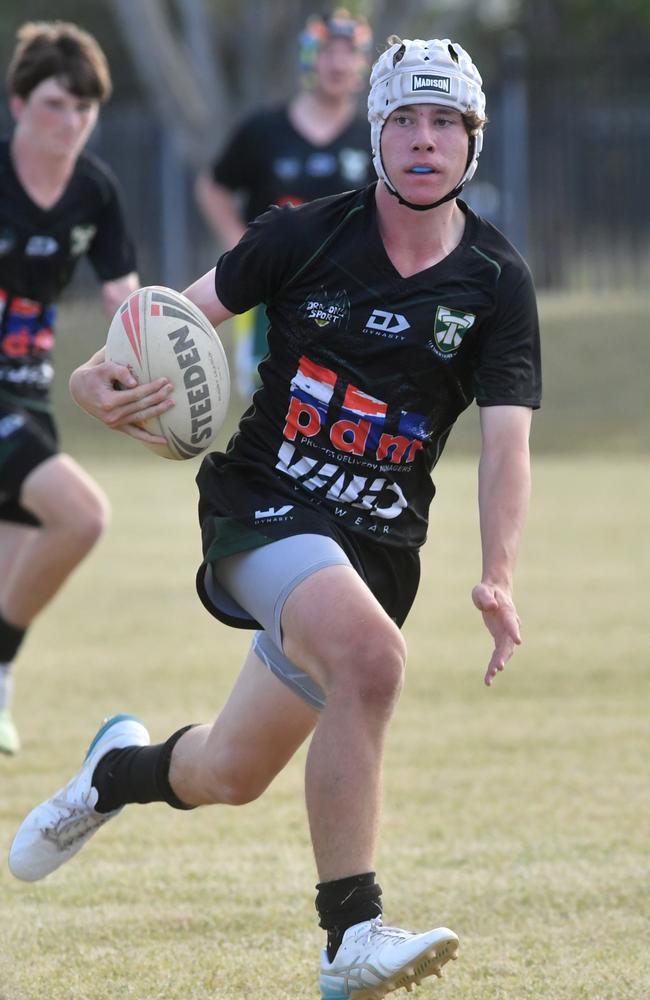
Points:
point(434, 204)
point(414, 71)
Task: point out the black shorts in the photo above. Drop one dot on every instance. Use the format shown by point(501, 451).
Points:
point(27, 438)
point(391, 573)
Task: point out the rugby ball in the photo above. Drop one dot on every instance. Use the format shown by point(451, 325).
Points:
point(158, 332)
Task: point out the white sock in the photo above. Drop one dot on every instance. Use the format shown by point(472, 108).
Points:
point(6, 685)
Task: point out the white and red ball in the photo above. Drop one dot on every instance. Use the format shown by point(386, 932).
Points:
point(158, 332)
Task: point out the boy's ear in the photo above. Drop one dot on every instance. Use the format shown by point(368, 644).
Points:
point(16, 105)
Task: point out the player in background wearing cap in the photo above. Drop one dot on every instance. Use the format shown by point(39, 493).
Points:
point(312, 147)
point(56, 204)
point(391, 309)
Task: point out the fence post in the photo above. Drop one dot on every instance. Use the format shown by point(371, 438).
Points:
point(514, 149)
point(173, 215)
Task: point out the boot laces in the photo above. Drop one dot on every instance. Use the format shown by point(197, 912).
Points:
point(76, 820)
point(392, 934)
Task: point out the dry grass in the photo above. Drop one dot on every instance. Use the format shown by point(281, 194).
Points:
point(518, 816)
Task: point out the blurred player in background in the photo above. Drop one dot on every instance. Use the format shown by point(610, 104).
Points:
point(56, 204)
point(392, 308)
point(312, 147)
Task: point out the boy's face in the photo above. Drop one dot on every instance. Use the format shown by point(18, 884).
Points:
point(424, 149)
point(339, 68)
point(56, 121)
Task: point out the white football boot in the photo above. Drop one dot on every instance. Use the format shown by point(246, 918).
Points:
point(54, 831)
point(374, 960)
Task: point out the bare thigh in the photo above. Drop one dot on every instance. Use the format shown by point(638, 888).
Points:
point(334, 627)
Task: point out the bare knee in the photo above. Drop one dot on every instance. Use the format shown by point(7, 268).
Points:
point(94, 518)
point(67, 502)
point(373, 671)
point(82, 523)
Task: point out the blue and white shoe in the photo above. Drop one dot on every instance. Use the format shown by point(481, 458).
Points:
point(54, 831)
point(374, 960)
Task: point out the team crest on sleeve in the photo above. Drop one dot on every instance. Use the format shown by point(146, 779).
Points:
point(449, 329)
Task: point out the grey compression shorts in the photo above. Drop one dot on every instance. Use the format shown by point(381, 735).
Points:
point(255, 585)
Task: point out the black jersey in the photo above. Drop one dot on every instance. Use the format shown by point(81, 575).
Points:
point(273, 164)
point(39, 250)
point(367, 371)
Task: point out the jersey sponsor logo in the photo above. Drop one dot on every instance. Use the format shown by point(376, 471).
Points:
point(387, 323)
point(28, 328)
point(354, 428)
point(321, 165)
point(449, 329)
point(10, 424)
point(41, 246)
point(357, 427)
point(354, 165)
point(7, 241)
point(427, 81)
point(80, 239)
point(324, 309)
point(374, 494)
point(34, 376)
point(287, 168)
point(273, 512)
point(290, 199)
point(353, 425)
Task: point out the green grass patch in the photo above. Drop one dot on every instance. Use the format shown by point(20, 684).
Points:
point(516, 815)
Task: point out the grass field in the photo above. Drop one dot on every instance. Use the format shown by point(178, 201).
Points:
point(519, 816)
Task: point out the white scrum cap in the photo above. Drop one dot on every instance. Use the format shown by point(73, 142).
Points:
point(414, 71)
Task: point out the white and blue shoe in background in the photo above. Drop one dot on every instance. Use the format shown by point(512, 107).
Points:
point(9, 738)
point(374, 960)
point(55, 830)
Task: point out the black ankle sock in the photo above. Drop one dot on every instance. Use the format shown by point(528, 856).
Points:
point(344, 902)
point(137, 774)
point(10, 639)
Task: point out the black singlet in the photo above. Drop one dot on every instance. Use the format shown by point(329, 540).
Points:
point(273, 164)
point(39, 250)
point(367, 371)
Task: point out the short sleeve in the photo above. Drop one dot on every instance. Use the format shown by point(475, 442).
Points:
point(111, 252)
point(509, 364)
point(261, 263)
point(234, 168)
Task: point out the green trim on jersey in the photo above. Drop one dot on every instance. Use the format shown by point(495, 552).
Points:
point(322, 248)
point(488, 259)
